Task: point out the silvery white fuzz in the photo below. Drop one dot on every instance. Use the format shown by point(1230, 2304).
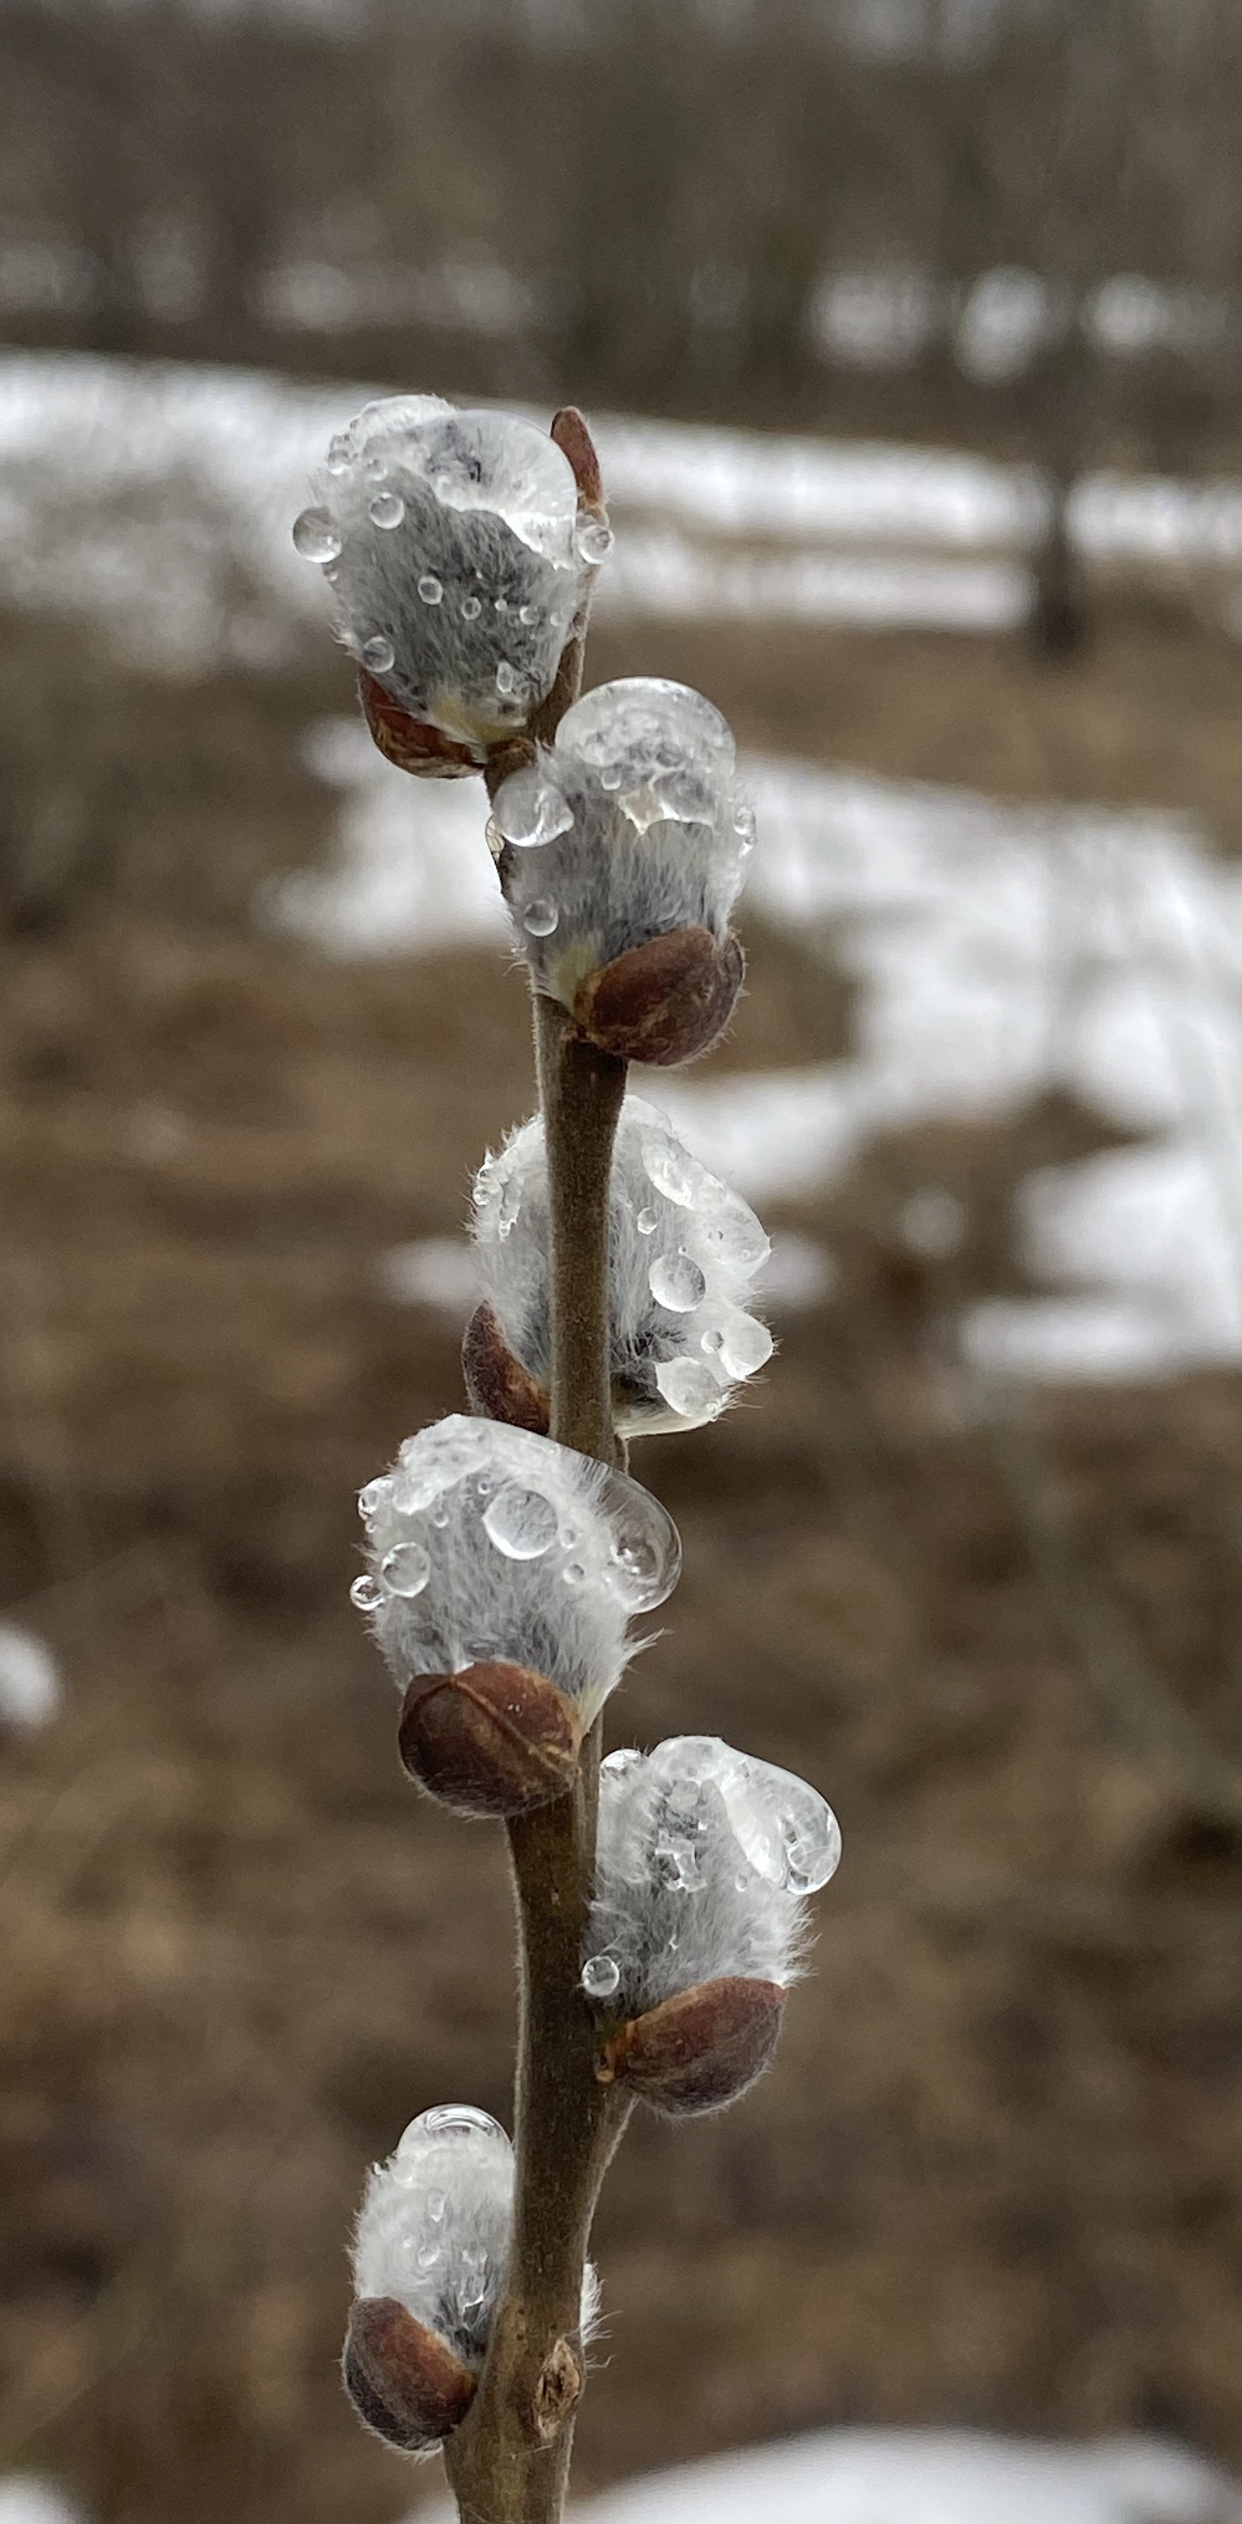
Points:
point(628, 827)
point(683, 1251)
point(456, 556)
point(704, 1861)
point(486, 1542)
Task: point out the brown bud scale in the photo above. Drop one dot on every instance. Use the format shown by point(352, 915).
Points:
point(664, 1002)
point(492, 1740)
point(698, 2050)
point(413, 744)
point(498, 1385)
point(403, 2380)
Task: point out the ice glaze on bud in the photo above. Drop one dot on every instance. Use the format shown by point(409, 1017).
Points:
point(683, 1251)
point(626, 844)
point(431, 2247)
point(493, 1740)
point(457, 557)
point(703, 1864)
point(487, 1544)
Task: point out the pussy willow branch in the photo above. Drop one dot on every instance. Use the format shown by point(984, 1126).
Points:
point(509, 2462)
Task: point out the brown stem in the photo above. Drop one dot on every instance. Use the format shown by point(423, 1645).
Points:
point(509, 2461)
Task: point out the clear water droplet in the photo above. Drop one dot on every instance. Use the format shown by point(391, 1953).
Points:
point(744, 827)
point(745, 1344)
point(315, 536)
point(470, 609)
point(674, 1172)
point(507, 680)
point(531, 810)
point(527, 614)
point(574, 1573)
point(593, 539)
point(386, 509)
point(377, 654)
point(689, 1388)
point(371, 1499)
point(501, 604)
point(635, 1554)
point(676, 1282)
point(339, 455)
point(429, 588)
point(622, 1760)
point(428, 2255)
point(451, 2120)
point(439, 1518)
point(647, 1222)
point(540, 918)
point(521, 1523)
point(610, 777)
point(367, 1594)
point(601, 1977)
point(406, 1570)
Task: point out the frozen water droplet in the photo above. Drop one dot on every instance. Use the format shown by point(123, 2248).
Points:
point(521, 1523)
point(676, 1281)
point(600, 1976)
point(528, 614)
point(744, 827)
point(406, 1570)
point(635, 1554)
point(510, 1206)
point(713, 1340)
point(452, 2120)
point(574, 1573)
point(745, 1344)
point(429, 588)
point(610, 777)
point(375, 466)
point(540, 918)
point(673, 1170)
point(315, 536)
point(386, 509)
point(377, 654)
point(507, 680)
point(531, 810)
point(501, 604)
point(371, 1499)
point(339, 455)
point(593, 539)
point(622, 1760)
point(470, 609)
point(428, 2255)
point(367, 1593)
point(439, 1518)
point(647, 1222)
point(734, 1235)
point(689, 1388)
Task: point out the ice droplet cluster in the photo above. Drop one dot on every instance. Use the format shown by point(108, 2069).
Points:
point(487, 1542)
point(451, 541)
point(704, 1862)
point(629, 826)
point(683, 1251)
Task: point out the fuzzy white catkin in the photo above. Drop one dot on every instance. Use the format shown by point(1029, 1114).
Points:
point(682, 1251)
point(629, 826)
point(434, 2227)
point(487, 1542)
point(704, 1861)
point(456, 556)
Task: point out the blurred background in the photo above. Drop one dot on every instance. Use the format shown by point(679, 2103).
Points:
point(911, 331)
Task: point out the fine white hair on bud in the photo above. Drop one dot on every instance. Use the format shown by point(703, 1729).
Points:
point(486, 1542)
point(457, 557)
point(629, 827)
point(683, 1251)
point(704, 1861)
point(434, 2228)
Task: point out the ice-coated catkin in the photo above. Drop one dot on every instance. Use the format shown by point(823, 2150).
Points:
point(628, 827)
point(683, 1252)
point(484, 1542)
point(704, 1862)
point(456, 556)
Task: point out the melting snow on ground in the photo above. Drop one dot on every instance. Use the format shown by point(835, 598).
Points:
point(925, 2476)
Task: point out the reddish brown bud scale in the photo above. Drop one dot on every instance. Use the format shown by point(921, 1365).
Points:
point(699, 2050)
point(413, 744)
point(664, 1002)
point(499, 1387)
point(570, 433)
point(402, 2379)
point(492, 1740)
